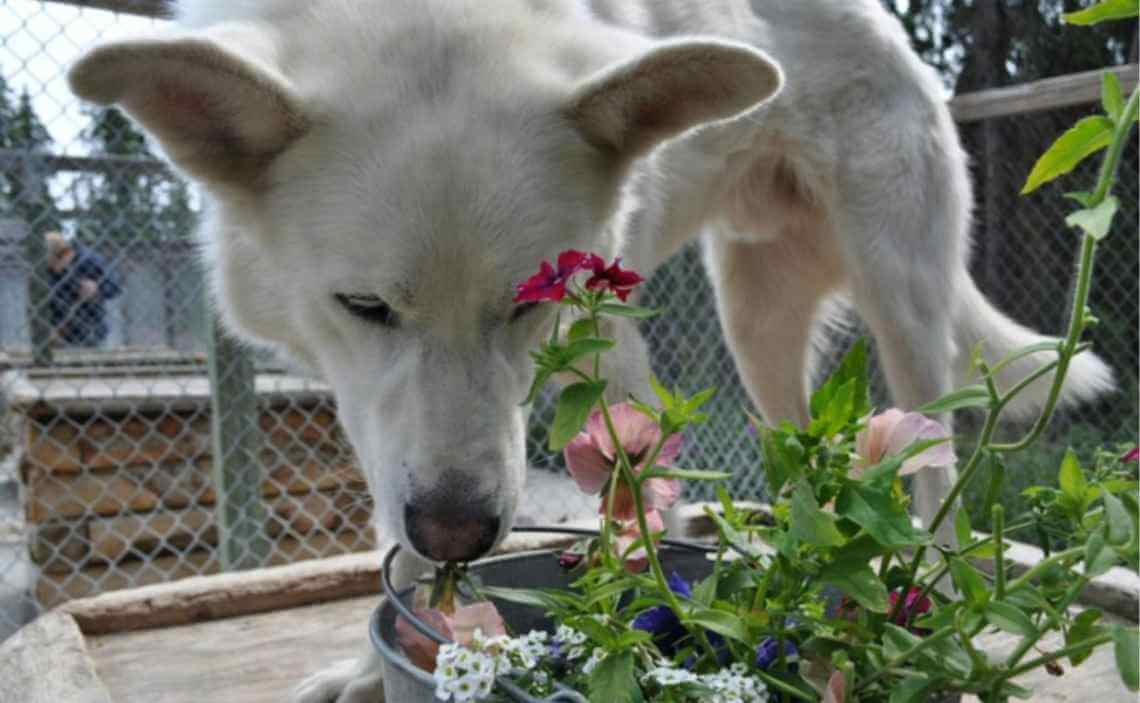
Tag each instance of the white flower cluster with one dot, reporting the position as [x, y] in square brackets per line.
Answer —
[572, 640]
[468, 673]
[732, 685]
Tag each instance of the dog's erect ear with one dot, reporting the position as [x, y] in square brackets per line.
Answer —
[631, 107]
[219, 115]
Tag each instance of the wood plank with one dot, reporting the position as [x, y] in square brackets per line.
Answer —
[247, 659]
[47, 662]
[1036, 96]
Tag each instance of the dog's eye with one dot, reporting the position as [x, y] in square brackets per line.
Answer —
[369, 308]
[521, 310]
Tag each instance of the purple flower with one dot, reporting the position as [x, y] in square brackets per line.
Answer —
[662, 622]
[768, 653]
[1133, 455]
[913, 606]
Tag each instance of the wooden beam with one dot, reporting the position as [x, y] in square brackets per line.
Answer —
[1047, 94]
[159, 9]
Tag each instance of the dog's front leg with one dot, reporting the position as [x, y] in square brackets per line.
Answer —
[358, 680]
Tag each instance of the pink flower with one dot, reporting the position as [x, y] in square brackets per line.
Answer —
[591, 458]
[620, 281]
[1133, 455]
[891, 432]
[459, 626]
[637, 560]
[836, 690]
[549, 283]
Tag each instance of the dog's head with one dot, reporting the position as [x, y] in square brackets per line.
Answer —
[370, 214]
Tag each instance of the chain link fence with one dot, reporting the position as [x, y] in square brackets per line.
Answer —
[149, 447]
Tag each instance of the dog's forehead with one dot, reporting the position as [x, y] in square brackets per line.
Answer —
[440, 208]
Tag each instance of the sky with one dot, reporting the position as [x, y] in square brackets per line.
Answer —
[39, 41]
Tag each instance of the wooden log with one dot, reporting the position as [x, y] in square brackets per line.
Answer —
[112, 443]
[51, 495]
[227, 595]
[54, 589]
[47, 662]
[59, 547]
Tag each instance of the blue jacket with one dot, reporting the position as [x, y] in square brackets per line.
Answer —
[86, 325]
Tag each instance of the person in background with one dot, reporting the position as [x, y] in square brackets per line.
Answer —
[81, 284]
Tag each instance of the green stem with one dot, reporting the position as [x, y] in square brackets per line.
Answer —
[1042, 565]
[1060, 653]
[1077, 320]
[998, 519]
[773, 682]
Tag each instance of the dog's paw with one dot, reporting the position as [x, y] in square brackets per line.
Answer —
[348, 681]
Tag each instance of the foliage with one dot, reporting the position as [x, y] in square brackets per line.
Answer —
[23, 189]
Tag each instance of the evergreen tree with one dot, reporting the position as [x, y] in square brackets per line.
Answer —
[24, 187]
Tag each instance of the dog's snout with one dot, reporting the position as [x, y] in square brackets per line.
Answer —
[443, 530]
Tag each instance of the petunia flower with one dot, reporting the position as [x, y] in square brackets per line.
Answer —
[768, 653]
[915, 604]
[661, 622]
[891, 432]
[550, 283]
[459, 626]
[592, 458]
[1133, 455]
[615, 278]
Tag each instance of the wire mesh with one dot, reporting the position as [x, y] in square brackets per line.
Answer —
[110, 456]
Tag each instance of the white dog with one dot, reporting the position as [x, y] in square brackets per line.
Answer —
[380, 173]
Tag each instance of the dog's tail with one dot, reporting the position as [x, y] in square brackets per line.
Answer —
[977, 321]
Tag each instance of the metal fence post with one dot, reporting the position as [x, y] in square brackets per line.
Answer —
[239, 511]
[35, 253]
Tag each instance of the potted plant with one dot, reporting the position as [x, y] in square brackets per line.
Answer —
[830, 594]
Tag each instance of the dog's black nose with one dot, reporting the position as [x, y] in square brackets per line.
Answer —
[443, 530]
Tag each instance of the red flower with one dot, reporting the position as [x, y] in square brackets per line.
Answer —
[550, 283]
[1133, 455]
[913, 606]
[620, 281]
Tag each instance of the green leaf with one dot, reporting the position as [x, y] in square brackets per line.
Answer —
[1118, 524]
[683, 474]
[1126, 645]
[1010, 618]
[662, 393]
[1098, 557]
[574, 406]
[910, 690]
[581, 329]
[810, 524]
[858, 582]
[1095, 221]
[1085, 138]
[975, 396]
[1072, 477]
[969, 582]
[633, 311]
[1111, 96]
[1084, 627]
[880, 513]
[734, 537]
[720, 622]
[613, 679]
[1106, 10]
[896, 640]
[583, 347]
[781, 464]
[525, 596]
[962, 529]
[845, 395]
[536, 386]
[1083, 197]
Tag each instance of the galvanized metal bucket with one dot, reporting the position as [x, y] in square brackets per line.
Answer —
[404, 682]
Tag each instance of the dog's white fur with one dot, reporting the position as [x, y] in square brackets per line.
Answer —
[430, 152]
